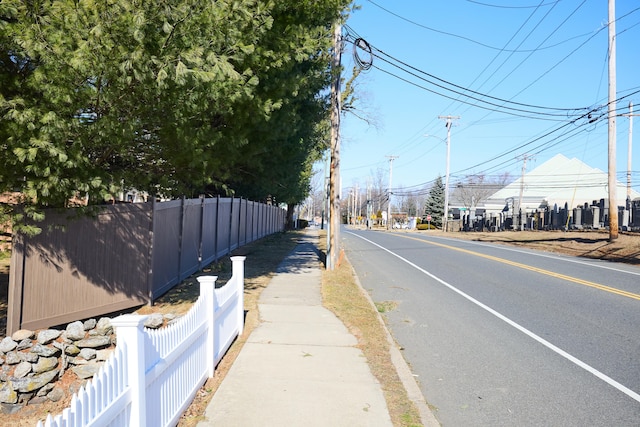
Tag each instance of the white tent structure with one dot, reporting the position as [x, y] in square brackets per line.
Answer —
[557, 181]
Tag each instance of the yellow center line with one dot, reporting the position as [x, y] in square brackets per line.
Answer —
[536, 269]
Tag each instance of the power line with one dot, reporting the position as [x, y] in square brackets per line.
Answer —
[472, 40]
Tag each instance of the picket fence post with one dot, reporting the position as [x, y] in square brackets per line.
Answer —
[129, 330]
[207, 292]
[237, 271]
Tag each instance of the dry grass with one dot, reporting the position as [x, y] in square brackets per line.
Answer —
[343, 295]
[588, 244]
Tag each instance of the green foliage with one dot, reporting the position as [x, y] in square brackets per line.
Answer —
[426, 226]
[175, 98]
[434, 205]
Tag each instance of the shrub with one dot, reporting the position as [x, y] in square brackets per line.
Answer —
[426, 226]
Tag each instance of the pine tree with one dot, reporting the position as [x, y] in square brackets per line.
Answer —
[177, 98]
[434, 205]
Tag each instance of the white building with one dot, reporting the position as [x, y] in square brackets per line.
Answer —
[557, 181]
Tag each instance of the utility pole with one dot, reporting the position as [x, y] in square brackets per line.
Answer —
[445, 222]
[391, 159]
[613, 203]
[359, 205]
[367, 223]
[334, 170]
[524, 170]
[631, 116]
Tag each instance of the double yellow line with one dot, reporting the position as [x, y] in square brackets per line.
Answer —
[537, 270]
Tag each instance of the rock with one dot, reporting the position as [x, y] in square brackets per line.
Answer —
[24, 344]
[22, 370]
[45, 390]
[154, 321]
[104, 327]
[48, 335]
[88, 353]
[38, 400]
[24, 398]
[45, 364]
[28, 357]
[94, 342]
[56, 394]
[103, 355]
[8, 394]
[90, 324]
[8, 408]
[22, 334]
[87, 371]
[71, 350]
[77, 361]
[45, 351]
[12, 358]
[75, 331]
[7, 345]
[30, 384]
[59, 345]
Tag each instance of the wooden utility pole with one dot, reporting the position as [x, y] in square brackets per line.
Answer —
[333, 248]
[612, 183]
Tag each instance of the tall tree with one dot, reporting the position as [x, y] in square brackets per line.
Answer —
[434, 205]
[170, 98]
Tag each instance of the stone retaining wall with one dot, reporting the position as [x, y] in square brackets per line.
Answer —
[31, 362]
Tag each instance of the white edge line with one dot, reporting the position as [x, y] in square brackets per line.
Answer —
[632, 394]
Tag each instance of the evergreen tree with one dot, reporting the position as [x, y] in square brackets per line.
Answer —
[175, 98]
[434, 205]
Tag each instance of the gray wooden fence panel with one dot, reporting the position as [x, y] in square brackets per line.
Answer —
[235, 224]
[209, 220]
[167, 221]
[224, 227]
[190, 238]
[260, 218]
[251, 235]
[242, 232]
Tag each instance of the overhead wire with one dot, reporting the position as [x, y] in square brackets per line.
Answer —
[586, 114]
[469, 39]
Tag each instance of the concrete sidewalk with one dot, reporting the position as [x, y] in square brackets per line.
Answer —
[300, 366]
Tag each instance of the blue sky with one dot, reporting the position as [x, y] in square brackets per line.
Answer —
[541, 64]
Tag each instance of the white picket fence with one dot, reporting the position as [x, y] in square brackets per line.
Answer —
[153, 375]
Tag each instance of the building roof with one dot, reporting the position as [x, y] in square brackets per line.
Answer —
[558, 181]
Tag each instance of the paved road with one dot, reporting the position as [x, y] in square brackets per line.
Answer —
[506, 337]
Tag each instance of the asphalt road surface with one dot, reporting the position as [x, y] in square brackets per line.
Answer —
[499, 336]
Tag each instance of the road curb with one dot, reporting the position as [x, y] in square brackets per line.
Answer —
[414, 394]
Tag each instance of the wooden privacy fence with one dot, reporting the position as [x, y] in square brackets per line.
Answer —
[125, 256]
[153, 376]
